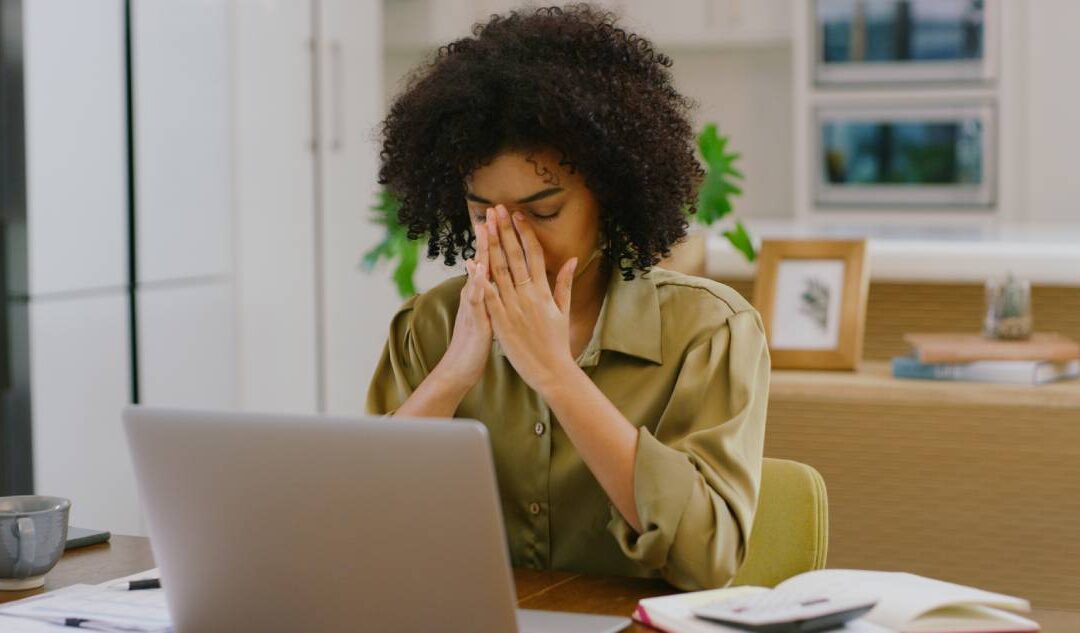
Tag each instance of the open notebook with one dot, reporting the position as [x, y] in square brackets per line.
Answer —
[906, 602]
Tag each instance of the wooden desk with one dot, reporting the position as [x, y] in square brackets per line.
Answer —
[556, 591]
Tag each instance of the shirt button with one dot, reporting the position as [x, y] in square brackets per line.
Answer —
[534, 507]
[539, 428]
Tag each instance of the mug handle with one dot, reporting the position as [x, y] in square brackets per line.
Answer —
[24, 533]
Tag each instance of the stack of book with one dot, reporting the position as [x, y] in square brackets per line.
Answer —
[1043, 358]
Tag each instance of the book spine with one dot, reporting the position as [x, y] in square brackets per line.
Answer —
[1008, 372]
[906, 367]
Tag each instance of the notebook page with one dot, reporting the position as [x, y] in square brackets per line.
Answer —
[121, 609]
[902, 597]
[11, 624]
[676, 612]
[971, 618]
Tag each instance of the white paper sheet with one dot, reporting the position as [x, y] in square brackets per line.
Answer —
[104, 607]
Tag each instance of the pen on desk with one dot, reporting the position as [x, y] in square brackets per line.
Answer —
[146, 583]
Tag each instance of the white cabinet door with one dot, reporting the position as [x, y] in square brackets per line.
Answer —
[275, 202]
[80, 382]
[357, 306]
[182, 139]
[76, 150]
[187, 350]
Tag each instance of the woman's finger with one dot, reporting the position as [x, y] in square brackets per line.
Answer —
[476, 285]
[534, 253]
[511, 245]
[564, 284]
[500, 267]
[494, 304]
[481, 244]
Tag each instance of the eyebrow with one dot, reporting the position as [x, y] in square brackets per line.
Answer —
[531, 198]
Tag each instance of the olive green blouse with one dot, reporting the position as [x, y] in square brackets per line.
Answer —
[685, 360]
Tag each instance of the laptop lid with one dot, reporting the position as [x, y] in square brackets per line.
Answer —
[292, 522]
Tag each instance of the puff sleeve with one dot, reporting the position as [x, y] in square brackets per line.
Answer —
[697, 476]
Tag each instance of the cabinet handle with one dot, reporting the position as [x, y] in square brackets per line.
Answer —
[311, 45]
[337, 111]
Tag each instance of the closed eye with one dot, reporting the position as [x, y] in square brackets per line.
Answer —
[544, 217]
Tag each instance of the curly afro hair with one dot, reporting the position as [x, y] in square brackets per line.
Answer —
[565, 78]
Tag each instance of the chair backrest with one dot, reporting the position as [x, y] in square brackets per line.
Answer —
[791, 525]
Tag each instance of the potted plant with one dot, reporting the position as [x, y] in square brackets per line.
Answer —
[714, 204]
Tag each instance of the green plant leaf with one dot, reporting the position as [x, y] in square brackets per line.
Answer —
[717, 189]
[394, 246]
[382, 250]
[406, 268]
[740, 239]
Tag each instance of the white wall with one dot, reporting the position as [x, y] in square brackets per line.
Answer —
[1053, 110]
[747, 93]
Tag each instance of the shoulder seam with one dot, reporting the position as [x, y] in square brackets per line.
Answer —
[705, 288]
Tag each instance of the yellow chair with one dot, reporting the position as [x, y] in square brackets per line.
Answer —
[791, 526]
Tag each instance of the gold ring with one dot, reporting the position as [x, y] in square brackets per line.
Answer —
[522, 283]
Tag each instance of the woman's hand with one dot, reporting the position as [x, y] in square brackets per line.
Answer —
[531, 321]
[470, 344]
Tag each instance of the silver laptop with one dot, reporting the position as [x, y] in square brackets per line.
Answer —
[306, 523]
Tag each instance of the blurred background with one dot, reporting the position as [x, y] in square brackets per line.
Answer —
[186, 186]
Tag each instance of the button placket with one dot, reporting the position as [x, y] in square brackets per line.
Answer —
[544, 432]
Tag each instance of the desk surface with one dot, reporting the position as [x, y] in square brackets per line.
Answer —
[556, 591]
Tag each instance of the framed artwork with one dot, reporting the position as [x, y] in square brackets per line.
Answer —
[904, 41]
[812, 298]
[928, 155]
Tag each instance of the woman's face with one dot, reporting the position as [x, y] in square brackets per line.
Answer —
[556, 203]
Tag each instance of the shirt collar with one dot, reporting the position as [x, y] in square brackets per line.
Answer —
[629, 321]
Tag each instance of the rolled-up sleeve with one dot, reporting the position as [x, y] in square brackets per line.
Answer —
[401, 365]
[697, 476]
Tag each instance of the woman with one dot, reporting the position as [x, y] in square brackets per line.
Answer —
[625, 403]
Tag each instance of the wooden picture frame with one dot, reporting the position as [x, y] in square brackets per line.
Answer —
[808, 326]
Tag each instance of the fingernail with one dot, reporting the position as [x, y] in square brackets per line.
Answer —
[573, 265]
[518, 217]
[502, 212]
